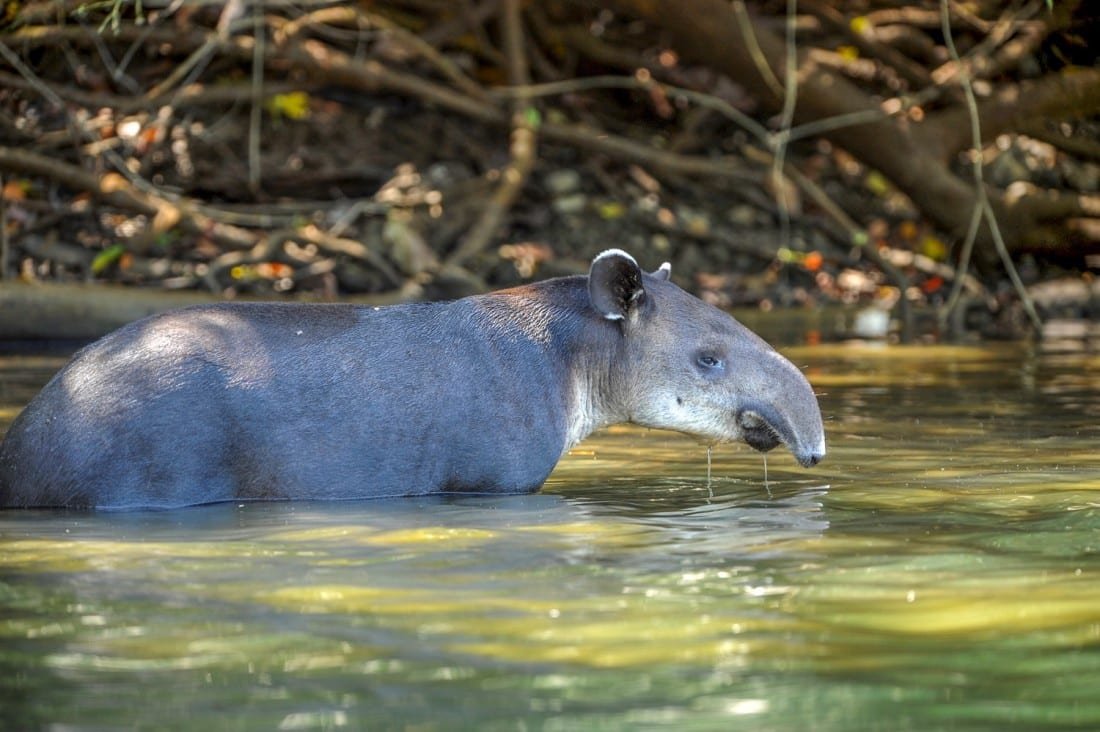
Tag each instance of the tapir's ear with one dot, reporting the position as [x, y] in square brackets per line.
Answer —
[615, 284]
[663, 272]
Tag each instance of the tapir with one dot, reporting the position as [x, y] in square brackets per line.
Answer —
[278, 401]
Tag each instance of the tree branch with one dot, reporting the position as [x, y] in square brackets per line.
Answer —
[523, 146]
[1072, 92]
[117, 191]
[914, 156]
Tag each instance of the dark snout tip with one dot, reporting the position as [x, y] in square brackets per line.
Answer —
[809, 458]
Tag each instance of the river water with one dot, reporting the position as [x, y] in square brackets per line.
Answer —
[939, 571]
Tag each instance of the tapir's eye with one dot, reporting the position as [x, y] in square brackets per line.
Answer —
[708, 361]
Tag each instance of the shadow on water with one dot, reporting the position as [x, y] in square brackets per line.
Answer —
[941, 570]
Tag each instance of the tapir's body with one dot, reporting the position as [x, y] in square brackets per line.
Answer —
[290, 401]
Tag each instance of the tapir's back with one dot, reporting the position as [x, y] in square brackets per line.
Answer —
[269, 401]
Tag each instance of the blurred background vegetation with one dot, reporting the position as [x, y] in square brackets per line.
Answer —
[936, 160]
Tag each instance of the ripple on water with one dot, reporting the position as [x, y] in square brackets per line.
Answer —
[940, 570]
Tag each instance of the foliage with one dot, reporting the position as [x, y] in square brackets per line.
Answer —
[415, 149]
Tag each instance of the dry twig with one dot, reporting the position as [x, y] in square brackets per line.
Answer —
[979, 184]
[523, 146]
[117, 191]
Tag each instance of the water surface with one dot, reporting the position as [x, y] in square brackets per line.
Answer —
[939, 571]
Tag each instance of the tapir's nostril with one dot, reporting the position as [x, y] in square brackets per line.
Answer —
[810, 459]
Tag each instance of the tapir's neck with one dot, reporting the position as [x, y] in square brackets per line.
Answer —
[592, 396]
[581, 346]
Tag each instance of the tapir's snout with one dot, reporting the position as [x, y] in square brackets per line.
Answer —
[809, 458]
[763, 427]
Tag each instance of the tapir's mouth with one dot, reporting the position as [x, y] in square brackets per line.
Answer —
[757, 432]
[763, 428]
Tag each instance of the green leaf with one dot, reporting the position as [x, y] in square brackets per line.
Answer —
[107, 257]
[532, 117]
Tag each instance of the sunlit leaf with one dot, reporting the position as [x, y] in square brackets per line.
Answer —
[876, 183]
[932, 247]
[860, 25]
[611, 210]
[932, 284]
[813, 261]
[292, 105]
[107, 257]
[848, 53]
[273, 270]
[16, 189]
[243, 272]
[532, 118]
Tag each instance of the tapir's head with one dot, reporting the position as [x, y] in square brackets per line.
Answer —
[685, 365]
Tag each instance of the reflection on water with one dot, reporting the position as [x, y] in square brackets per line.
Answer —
[941, 570]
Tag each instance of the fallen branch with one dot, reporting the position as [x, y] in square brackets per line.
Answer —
[364, 20]
[193, 95]
[272, 248]
[917, 76]
[1070, 93]
[115, 190]
[1077, 146]
[982, 61]
[79, 312]
[349, 248]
